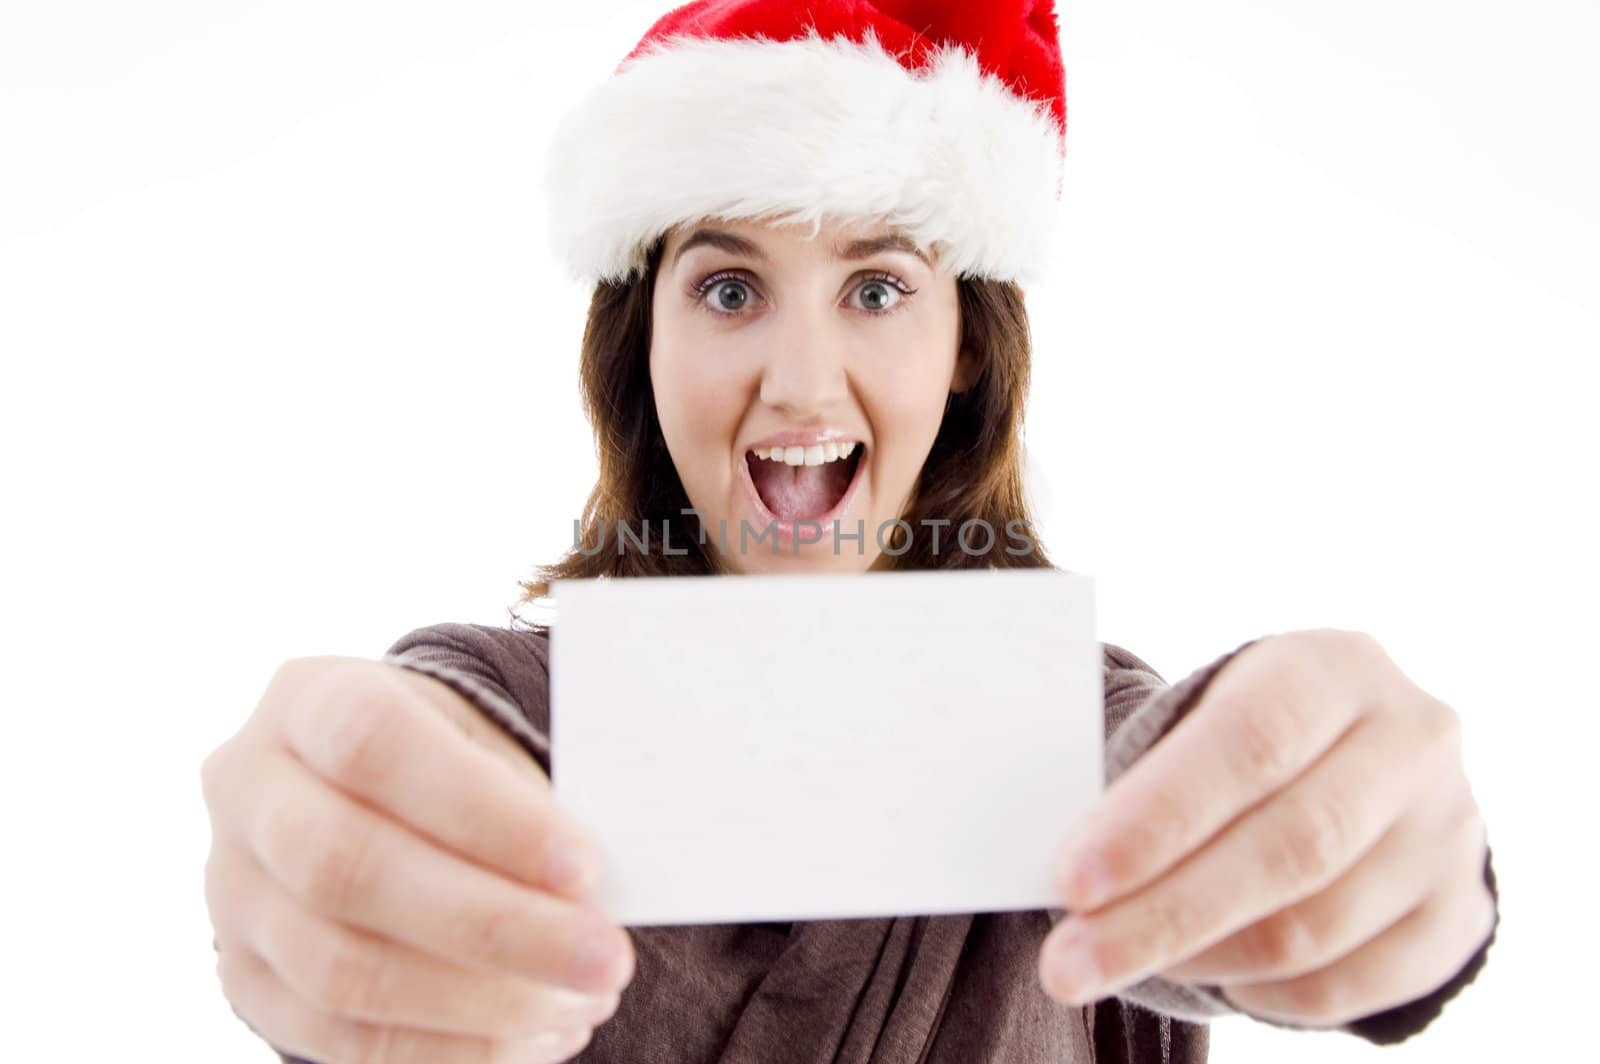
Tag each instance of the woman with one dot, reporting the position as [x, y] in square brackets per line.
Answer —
[813, 328]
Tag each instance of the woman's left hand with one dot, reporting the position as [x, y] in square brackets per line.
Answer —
[1304, 837]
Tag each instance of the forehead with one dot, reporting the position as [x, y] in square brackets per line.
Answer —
[852, 240]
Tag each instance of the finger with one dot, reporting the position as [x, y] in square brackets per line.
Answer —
[1389, 881]
[375, 736]
[1416, 956]
[358, 975]
[272, 1010]
[1274, 710]
[345, 861]
[1286, 849]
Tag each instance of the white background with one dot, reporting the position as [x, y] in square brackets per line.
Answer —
[288, 370]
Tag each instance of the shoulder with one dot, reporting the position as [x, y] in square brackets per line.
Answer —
[1119, 660]
[475, 639]
[514, 657]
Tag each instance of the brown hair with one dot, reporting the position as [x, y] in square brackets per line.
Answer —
[973, 471]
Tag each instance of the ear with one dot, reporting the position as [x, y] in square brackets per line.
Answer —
[966, 370]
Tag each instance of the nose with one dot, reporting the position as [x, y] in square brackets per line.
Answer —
[804, 372]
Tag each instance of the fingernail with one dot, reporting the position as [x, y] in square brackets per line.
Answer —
[568, 865]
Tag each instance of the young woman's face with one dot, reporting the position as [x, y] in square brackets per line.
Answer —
[842, 357]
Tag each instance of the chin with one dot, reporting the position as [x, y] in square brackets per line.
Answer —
[813, 559]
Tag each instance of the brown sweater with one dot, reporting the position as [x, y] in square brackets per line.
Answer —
[944, 989]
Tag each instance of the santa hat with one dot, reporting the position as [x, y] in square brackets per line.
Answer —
[945, 118]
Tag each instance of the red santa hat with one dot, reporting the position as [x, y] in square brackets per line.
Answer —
[944, 118]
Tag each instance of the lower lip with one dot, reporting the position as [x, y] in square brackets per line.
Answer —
[785, 531]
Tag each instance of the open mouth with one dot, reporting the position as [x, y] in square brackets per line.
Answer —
[801, 484]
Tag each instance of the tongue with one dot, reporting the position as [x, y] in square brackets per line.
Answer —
[800, 492]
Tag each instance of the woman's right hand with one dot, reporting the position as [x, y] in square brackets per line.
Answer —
[379, 882]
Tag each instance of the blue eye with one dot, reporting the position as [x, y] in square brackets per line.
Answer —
[724, 285]
[877, 287]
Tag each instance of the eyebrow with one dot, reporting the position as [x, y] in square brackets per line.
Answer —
[855, 250]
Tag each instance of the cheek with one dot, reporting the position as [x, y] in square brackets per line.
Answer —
[698, 405]
[908, 399]
[913, 365]
[905, 402]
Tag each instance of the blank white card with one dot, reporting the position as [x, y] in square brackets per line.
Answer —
[794, 747]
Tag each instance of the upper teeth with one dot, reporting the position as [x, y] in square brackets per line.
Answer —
[816, 454]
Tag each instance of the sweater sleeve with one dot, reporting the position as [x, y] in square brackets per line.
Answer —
[1140, 708]
[503, 672]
